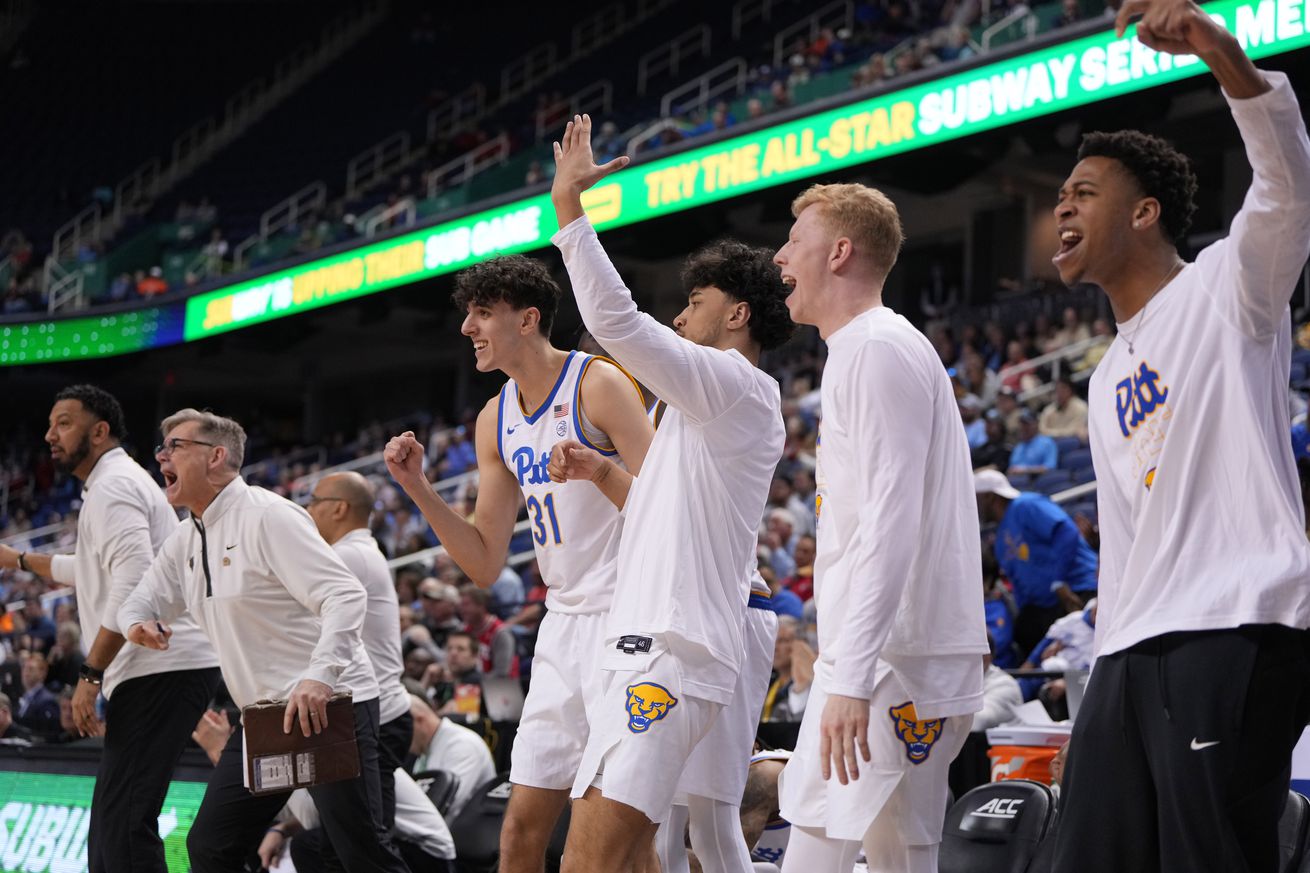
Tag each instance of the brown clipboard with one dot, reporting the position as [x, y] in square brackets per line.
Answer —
[278, 762]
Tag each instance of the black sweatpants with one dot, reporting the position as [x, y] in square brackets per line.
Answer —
[148, 722]
[231, 821]
[393, 748]
[1181, 754]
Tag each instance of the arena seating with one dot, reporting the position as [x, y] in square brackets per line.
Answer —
[997, 828]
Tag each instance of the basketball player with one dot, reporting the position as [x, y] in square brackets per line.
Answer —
[673, 645]
[897, 581]
[550, 395]
[1200, 686]
[710, 790]
[153, 700]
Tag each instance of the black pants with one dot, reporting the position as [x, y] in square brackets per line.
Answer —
[308, 850]
[393, 748]
[148, 722]
[1180, 758]
[231, 821]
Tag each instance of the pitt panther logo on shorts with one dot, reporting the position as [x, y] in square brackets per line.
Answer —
[918, 736]
[647, 704]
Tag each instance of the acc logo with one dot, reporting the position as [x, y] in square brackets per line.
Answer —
[1000, 807]
[918, 736]
[647, 704]
[561, 428]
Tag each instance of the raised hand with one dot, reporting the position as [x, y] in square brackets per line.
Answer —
[404, 457]
[576, 169]
[1176, 27]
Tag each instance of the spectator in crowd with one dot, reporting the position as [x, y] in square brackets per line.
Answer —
[440, 609]
[1007, 404]
[67, 731]
[1041, 552]
[981, 381]
[801, 583]
[497, 649]
[11, 731]
[975, 429]
[781, 539]
[781, 601]
[1016, 381]
[1034, 453]
[507, 594]
[441, 744]
[801, 501]
[1069, 14]
[1001, 695]
[1066, 415]
[39, 625]
[460, 456]
[66, 656]
[996, 450]
[38, 708]
[793, 673]
[151, 284]
[462, 661]
[1104, 336]
[215, 251]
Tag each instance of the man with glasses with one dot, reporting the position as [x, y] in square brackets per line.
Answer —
[284, 614]
[153, 700]
[340, 506]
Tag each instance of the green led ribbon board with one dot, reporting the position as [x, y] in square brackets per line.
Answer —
[1051, 80]
[44, 818]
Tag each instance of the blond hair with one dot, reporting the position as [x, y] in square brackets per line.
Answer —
[214, 428]
[865, 215]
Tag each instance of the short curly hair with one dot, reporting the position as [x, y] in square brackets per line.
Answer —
[1161, 172]
[747, 274]
[102, 405]
[521, 282]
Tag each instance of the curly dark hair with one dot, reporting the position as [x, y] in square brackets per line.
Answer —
[521, 282]
[101, 404]
[747, 274]
[1161, 172]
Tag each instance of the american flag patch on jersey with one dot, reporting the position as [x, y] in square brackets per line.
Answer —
[561, 410]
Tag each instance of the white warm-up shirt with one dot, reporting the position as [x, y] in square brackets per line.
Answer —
[690, 521]
[897, 575]
[271, 595]
[1199, 502]
[124, 520]
[359, 551]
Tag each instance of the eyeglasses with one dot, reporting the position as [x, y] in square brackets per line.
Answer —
[168, 446]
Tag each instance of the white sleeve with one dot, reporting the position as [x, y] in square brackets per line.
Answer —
[1253, 273]
[889, 402]
[316, 577]
[158, 596]
[127, 551]
[700, 381]
[63, 568]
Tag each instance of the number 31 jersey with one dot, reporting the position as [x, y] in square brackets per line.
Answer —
[575, 529]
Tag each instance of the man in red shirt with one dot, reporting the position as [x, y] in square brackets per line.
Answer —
[497, 649]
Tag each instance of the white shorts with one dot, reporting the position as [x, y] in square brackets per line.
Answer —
[566, 686]
[643, 733]
[906, 777]
[717, 768]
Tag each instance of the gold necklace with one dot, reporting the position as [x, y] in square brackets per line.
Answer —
[1167, 276]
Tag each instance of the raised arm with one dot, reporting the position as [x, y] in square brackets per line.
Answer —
[481, 546]
[701, 382]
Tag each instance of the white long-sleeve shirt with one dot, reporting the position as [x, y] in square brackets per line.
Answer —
[1001, 697]
[417, 820]
[1199, 502]
[688, 546]
[359, 551]
[124, 520]
[460, 751]
[897, 572]
[271, 595]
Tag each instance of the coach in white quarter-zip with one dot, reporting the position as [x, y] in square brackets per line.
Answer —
[284, 614]
[153, 699]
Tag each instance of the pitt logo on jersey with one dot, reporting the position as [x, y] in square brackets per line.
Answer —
[529, 470]
[918, 736]
[1137, 396]
[647, 704]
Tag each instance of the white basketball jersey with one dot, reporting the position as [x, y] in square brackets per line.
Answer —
[575, 529]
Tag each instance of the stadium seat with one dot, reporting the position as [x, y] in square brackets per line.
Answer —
[1044, 858]
[996, 828]
[440, 786]
[1293, 827]
[1083, 475]
[477, 828]
[1067, 444]
[1051, 482]
[1075, 458]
